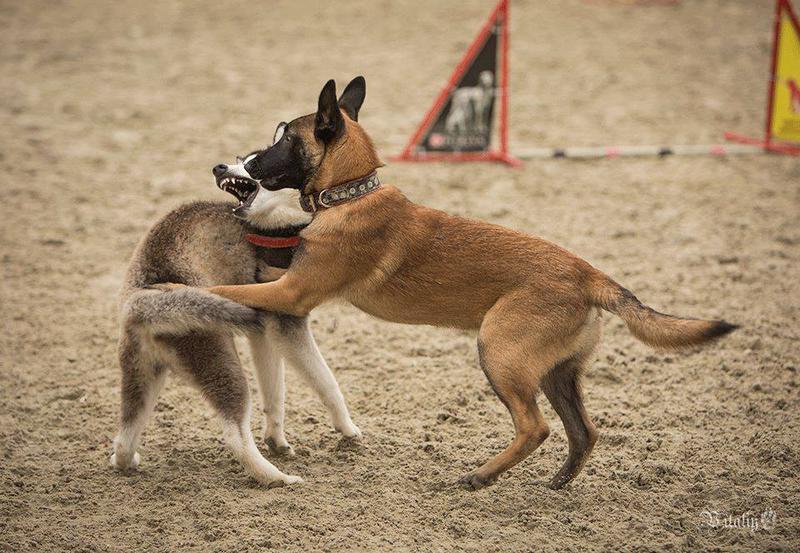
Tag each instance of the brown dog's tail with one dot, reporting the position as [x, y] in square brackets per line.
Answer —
[651, 327]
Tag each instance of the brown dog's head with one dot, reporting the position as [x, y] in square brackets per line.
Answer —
[321, 149]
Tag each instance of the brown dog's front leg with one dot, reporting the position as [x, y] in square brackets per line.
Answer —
[269, 296]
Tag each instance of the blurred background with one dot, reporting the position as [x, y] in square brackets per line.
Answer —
[111, 114]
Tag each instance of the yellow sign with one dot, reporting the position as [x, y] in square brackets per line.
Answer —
[785, 116]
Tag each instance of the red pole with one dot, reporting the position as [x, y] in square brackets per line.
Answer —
[504, 89]
[779, 5]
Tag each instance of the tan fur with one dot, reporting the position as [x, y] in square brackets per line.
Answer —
[533, 303]
[346, 158]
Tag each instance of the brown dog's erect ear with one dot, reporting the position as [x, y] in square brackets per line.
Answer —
[353, 97]
[329, 123]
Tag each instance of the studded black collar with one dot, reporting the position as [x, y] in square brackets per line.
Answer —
[340, 193]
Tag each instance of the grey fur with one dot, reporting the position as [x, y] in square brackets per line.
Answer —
[191, 331]
[187, 310]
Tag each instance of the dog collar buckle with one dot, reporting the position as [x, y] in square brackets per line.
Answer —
[322, 202]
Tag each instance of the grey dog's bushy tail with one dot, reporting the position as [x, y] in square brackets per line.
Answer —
[189, 309]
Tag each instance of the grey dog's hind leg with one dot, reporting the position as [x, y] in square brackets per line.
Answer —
[270, 374]
[143, 377]
[292, 335]
[211, 361]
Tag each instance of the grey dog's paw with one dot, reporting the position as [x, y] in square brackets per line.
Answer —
[129, 464]
[286, 480]
[279, 451]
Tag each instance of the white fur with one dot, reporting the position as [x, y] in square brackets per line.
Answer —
[240, 439]
[238, 170]
[270, 208]
[301, 352]
[270, 370]
[125, 456]
[276, 209]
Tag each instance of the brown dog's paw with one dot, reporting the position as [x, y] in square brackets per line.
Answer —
[560, 480]
[473, 481]
[279, 451]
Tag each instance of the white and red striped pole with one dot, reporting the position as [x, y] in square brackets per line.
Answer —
[633, 151]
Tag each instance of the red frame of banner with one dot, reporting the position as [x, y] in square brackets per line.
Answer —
[500, 12]
[781, 147]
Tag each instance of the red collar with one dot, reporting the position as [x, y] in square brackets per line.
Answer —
[273, 241]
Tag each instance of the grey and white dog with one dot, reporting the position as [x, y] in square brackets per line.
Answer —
[191, 331]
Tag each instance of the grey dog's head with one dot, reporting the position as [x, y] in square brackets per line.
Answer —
[258, 206]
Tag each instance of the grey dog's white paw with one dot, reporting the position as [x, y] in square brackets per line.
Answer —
[350, 431]
[118, 463]
[282, 450]
[285, 480]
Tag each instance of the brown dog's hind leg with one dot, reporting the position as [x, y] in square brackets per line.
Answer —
[562, 388]
[516, 383]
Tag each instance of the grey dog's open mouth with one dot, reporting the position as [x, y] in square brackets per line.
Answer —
[242, 188]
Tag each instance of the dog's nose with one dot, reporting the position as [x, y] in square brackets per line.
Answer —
[219, 170]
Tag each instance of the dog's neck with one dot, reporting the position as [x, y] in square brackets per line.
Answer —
[339, 194]
[350, 158]
[275, 246]
[277, 232]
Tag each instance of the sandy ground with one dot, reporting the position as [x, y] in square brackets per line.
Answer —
[111, 115]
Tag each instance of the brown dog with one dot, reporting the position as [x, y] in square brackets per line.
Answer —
[535, 305]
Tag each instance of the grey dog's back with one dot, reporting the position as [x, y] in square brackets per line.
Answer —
[197, 244]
